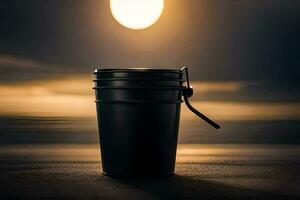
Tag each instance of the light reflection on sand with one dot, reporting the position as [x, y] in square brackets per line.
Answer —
[186, 153]
[189, 153]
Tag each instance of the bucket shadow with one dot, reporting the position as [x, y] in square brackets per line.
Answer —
[184, 187]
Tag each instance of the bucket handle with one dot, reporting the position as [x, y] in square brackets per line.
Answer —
[187, 93]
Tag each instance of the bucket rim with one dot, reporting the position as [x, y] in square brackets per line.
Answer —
[140, 87]
[111, 70]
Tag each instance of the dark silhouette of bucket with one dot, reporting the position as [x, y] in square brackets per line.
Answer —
[138, 119]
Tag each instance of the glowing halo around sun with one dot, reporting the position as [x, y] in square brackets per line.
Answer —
[136, 14]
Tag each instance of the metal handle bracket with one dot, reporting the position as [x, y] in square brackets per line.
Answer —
[187, 93]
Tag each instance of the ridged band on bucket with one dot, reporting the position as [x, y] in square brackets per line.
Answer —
[139, 83]
[139, 88]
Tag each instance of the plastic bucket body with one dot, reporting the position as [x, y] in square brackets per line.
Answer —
[138, 113]
[138, 117]
[138, 139]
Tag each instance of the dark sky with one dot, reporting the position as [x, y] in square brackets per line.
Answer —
[219, 39]
[255, 42]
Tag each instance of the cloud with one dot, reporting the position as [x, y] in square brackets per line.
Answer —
[73, 96]
[251, 91]
[74, 85]
[245, 110]
[16, 68]
[21, 75]
[218, 86]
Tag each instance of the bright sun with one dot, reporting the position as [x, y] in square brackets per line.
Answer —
[136, 14]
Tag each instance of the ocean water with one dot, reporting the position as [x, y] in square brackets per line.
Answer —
[37, 129]
[59, 157]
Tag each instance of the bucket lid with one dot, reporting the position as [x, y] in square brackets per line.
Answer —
[134, 70]
[138, 73]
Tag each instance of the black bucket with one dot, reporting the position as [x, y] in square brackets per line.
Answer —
[138, 119]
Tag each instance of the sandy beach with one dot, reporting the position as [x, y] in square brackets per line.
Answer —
[202, 172]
